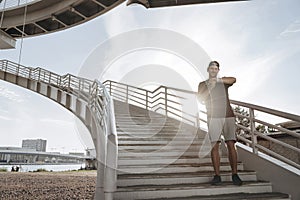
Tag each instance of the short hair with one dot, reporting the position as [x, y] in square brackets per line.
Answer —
[214, 63]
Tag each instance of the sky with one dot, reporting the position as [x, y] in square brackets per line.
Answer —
[257, 41]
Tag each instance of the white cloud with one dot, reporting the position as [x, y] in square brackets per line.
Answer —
[5, 118]
[292, 30]
[57, 122]
[11, 95]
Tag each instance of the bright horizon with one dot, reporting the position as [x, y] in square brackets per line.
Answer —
[256, 42]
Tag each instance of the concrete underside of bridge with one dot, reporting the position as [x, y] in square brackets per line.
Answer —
[166, 3]
[49, 16]
[42, 17]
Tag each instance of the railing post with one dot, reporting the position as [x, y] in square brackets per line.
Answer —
[39, 77]
[197, 119]
[147, 99]
[59, 81]
[30, 71]
[69, 81]
[6, 63]
[17, 71]
[252, 128]
[110, 88]
[166, 100]
[126, 93]
[50, 78]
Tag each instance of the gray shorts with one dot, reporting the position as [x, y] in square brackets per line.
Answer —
[221, 126]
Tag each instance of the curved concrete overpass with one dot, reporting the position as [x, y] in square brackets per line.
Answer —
[50, 16]
[39, 17]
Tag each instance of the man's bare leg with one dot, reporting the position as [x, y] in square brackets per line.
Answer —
[215, 157]
[232, 156]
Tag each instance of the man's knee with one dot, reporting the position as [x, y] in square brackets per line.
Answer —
[230, 144]
[216, 146]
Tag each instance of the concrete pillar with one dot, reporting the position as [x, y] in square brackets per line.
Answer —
[100, 145]
[58, 98]
[8, 158]
[99, 193]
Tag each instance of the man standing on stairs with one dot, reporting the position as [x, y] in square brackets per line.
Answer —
[220, 118]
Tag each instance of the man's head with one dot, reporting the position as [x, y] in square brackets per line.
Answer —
[213, 69]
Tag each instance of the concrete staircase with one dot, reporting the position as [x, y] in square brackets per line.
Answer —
[159, 159]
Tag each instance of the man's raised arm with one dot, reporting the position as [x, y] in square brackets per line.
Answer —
[228, 80]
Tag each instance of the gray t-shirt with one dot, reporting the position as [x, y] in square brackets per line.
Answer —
[216, 100]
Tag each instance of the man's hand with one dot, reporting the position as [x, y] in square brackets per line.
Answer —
[228, 80]
[212, 83]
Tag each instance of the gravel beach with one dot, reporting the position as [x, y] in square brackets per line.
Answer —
[47, 185]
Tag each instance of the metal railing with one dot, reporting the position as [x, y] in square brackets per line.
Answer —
[97, 99]
[170, 102]
[251, 138]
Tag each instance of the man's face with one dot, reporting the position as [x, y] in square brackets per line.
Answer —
[213, 71]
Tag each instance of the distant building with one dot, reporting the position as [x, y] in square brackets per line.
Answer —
[291, 125]
[35, 144]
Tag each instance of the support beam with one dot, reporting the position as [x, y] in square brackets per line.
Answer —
[6, 41]
[78, 13]
[167, 3]
[100, 4]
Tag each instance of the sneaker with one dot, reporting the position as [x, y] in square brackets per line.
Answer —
[236, 180]
[216, 180]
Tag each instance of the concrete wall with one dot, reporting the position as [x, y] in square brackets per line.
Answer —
[284, 178]
[287, 153]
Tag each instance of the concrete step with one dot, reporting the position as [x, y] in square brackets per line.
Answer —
[236, 196]
[162, 152]
[134, 147]
[188, 190]
[150, 120]
[147, 121]
[150, 125]
[173, 168]
[179, 178]
[159, 153]
[160, 137]
[143, 117]
[127, 123]
[149, 131]
[166, 160]
[155, 142]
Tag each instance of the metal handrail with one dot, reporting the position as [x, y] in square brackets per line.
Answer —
[159, 100]
[98, 100]
[151, 99]
[268, 110]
